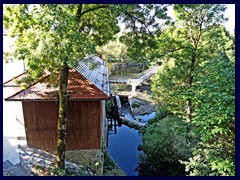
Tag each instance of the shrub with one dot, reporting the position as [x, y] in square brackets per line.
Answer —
[135, 105]
[164, 144]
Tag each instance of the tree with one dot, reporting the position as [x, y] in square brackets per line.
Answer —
[140, 30]
[113, 51]
[196, 51]
[183, 43]
[55, 37]
[213, 125]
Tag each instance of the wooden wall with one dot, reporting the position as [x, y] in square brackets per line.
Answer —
[84, 125]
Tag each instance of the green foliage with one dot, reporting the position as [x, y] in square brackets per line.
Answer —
[108, 164]
[208, 14]
[49, 35]
[197, 81]
[161, 113]
[171, 85]
[108, 106]
[135, 105]
[113, 51]
[53, 170]
[214, 121]
[168, 86]
[164, 144]
[142, 22]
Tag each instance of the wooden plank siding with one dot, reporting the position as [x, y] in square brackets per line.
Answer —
[84, 124]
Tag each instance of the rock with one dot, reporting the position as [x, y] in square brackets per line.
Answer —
[140, 147]
[39, 162]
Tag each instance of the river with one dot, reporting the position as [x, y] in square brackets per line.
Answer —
[123, 143]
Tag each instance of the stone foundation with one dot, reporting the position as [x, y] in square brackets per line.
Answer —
[91, 158]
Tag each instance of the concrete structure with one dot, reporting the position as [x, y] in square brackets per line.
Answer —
[145, 75]
[13, 124]
[13, 128]
[119, 105]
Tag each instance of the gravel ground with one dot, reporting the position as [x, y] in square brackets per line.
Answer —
[32, 160]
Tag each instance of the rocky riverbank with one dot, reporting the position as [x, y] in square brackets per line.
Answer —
[141, 103]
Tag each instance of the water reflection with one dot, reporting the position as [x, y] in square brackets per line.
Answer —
[123, 143]
[122, 147]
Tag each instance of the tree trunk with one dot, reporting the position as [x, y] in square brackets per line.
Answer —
[189, 102]
[62, 119]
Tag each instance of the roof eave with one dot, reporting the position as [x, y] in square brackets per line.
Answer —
[11, 85]
[5, 83]
[81, 99]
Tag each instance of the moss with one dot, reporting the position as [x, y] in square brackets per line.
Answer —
[110, 168]
[135, 105]
[53, 170]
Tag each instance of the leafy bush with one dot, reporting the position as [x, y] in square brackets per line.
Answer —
[108, 105]
[160, 114]
[135, 105]
[164, 144]
[55, 171]
[214, 122]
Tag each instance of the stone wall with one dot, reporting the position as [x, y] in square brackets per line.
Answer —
[91, 158]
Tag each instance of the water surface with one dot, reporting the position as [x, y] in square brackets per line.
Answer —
[122, 147]
[123, 142]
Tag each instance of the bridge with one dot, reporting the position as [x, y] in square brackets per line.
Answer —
[145, 75]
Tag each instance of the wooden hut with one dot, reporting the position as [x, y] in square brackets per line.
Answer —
[88, 88]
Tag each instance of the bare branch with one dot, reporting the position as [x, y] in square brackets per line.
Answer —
[94, 9]
[201, 26]
[173, 50]
[79, 11]
[131, 16]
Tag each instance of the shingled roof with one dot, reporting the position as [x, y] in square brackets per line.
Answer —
[13, 82]
[84, 83]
